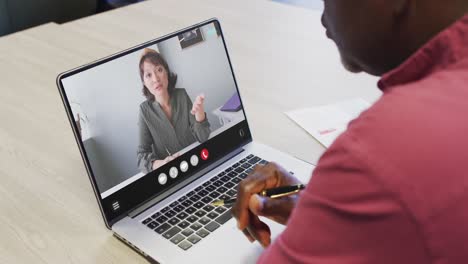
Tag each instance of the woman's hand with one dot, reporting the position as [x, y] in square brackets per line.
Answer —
[198, 108]
[249, 205]
[159, 163]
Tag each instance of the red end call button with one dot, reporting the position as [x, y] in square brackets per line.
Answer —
[204, 154]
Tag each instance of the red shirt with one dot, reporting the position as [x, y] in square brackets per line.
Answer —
[394, 187]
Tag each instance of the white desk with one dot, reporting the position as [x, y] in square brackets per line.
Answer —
[49, 214]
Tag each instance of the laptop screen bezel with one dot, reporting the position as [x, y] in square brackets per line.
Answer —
[111, 218]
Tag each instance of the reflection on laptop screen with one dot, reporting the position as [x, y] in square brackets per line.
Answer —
[142, 110]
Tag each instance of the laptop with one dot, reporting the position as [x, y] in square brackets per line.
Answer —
[154, 161]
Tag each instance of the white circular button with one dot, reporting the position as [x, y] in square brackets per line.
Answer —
[173, 172]
[184, 166]
[194, 160]
[162, 178]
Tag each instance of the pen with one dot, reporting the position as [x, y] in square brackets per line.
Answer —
[272, 193]
[168, 153]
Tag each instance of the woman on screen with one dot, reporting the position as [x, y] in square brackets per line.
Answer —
[168, 120]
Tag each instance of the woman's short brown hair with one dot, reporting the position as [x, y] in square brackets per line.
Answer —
[155, 58]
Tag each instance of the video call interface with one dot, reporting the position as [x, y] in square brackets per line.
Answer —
[142, 111]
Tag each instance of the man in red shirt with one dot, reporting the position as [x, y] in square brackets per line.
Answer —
[394, 187]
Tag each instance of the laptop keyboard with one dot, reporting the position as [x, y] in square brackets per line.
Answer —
[191, 218]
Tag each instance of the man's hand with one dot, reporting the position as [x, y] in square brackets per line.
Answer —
[198, 108]
[249, 205]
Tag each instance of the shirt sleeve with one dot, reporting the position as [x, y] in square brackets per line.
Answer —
[346, 215]
[145, 154]
[200, 130]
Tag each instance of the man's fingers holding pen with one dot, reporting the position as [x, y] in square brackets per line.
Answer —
[263, 177]
[277, 210]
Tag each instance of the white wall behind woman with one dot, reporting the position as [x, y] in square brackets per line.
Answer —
[110, 95]
[202, 68]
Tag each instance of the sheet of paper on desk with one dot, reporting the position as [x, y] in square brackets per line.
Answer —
[326, 123]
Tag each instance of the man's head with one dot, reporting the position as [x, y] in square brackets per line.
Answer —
[375, 36]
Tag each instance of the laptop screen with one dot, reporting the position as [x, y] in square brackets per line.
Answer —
[153, 116]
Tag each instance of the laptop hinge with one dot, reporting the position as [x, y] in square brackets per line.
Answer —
[146, 205]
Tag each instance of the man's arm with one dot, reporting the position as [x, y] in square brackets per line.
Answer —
[347, 216]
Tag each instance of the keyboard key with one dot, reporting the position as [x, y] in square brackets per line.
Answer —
[222, 174]
[179, 208]
[173, 204]
[250, 156]
[187, 232]
[198, 205]
[232, 174]
[194, 239]
[170, 214]
[246, 166]
[182, 215]
[200, 213]
[171, 232]
[220, 209]
[225, 178]
[239, 170]
[156, 215]
[228, 170]
[195, 198]
[162, 228]
[161, 219]
[202, 233]
[177, 239]
[242, 175]
[202, 193]
[181, 199]
[236, 180]
[196, 226]
[206, 183]
[186, 203]
[183, 224]
[235, 165]
[249, 171]
[212, 215]
[214, 194]
[231, 193]
[208, 207]
[204, 221]
[212, 226]
[165, 209]
[173, 221]
[207, 200]
[229, 185]
[263, 162]
[185, 245]
[221, 189]
[192, 219]
[254, 160]
[190, 193]
[190, 210]
[210, 188]
[217, 183]
[224, 217]
[199, 188]
[147, 220]
[223, 197]
[152, 225]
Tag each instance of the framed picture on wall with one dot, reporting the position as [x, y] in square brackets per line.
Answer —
[190, 38]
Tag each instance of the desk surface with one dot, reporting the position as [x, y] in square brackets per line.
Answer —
[49, 214]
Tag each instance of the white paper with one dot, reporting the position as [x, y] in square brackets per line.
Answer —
[326, 123]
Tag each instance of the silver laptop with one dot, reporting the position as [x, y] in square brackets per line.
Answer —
[163, 133]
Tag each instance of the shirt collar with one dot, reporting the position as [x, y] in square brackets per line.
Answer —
[447, 48]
